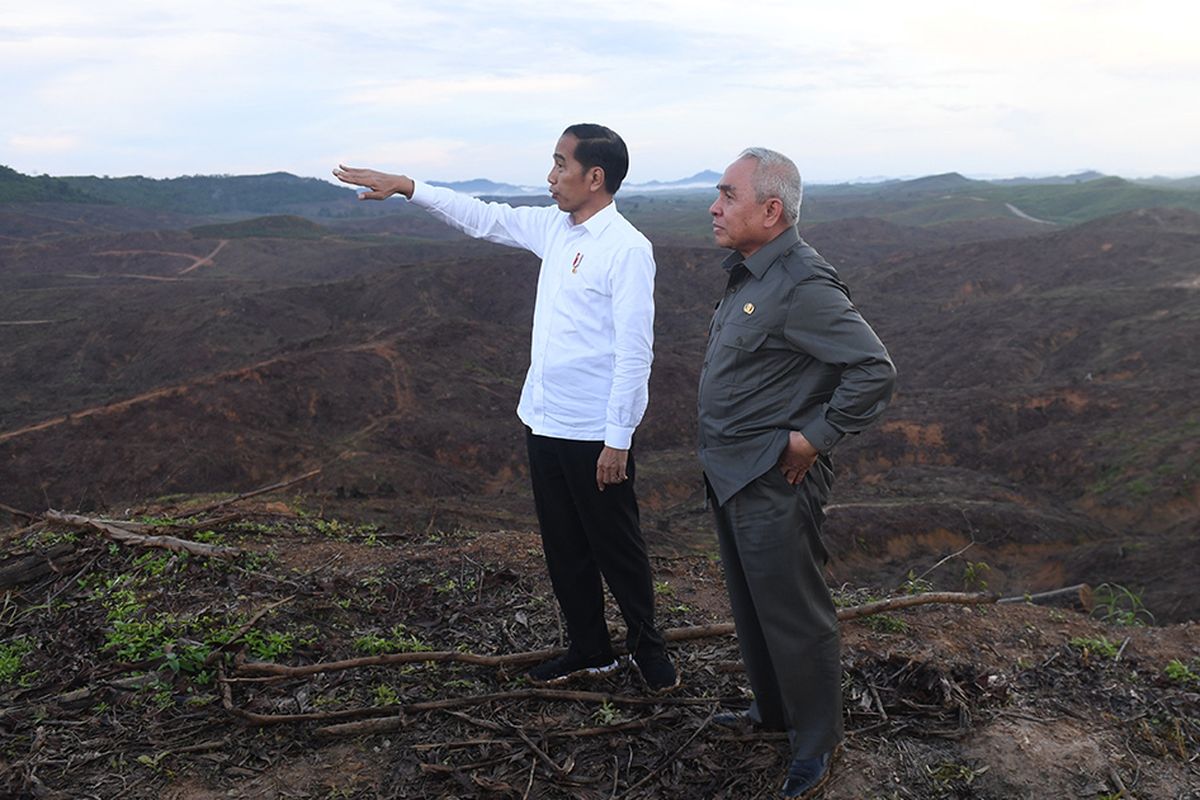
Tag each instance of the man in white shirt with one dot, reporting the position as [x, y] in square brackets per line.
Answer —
[586, 389]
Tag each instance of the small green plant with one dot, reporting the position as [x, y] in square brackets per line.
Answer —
[663, 588]
[153, 565]
[400, 641]
[385, 695]
[973, 580]
[1118, 605]
[1180, 672]
[606, 714]
[12, 658]
[914, 585]
[270, 645]
[1099, 646]
[209, 537]
[886, 623]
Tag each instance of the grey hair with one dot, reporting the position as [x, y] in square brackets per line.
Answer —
[776, 176]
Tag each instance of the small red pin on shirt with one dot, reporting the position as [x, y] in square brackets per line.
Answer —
[575, 263]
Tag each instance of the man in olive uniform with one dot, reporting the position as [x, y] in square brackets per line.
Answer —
[791, 369]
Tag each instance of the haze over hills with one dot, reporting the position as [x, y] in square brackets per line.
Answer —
[1044, 413]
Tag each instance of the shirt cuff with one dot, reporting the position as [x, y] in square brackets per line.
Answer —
[822, 435]
[617, 437]
[420, 188]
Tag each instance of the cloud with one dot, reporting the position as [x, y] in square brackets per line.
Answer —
[475, 88]
[27, 144]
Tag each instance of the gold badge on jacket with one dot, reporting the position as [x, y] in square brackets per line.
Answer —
[748, 308]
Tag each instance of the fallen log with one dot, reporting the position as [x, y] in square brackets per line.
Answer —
[116, 533]
[21, 569]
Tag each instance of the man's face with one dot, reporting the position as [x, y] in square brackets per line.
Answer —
[569, 181]
[737, 215]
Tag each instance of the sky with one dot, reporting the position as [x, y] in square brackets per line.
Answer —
[460, 89]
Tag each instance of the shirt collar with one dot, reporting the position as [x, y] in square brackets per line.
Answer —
[762, 259]
[596, 223]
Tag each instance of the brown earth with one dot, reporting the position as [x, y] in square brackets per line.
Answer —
[1044, 411]
[940, 701]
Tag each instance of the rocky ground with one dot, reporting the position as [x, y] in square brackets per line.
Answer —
[139, 672]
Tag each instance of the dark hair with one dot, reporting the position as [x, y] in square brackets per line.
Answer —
[601, 147]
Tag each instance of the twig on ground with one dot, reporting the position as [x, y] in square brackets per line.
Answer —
[242, 631]
[519, 659]
[944, 560]
[247, 495]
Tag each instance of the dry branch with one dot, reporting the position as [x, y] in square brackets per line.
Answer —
[16, 512]
[246, 495]
[519, 659]
[1077, 596]
[124, 536]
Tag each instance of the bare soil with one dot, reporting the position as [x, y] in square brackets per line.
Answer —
[994, 701]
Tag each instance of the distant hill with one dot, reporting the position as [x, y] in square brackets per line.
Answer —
[212, 194]
[935, 200]
[483, 186]
[1192, 183]
[277, 227]
[1079, 177]
[701, 180]
[18, 188]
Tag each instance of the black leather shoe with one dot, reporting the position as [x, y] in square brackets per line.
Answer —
[805, 776]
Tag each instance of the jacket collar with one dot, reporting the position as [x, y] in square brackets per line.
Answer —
[766, 255]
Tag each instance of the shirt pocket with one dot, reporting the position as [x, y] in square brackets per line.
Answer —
[739, 352]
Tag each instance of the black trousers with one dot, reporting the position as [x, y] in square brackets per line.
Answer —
[588, 535]
[787, 628]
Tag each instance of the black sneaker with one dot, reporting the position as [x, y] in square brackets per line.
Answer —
[571, 665]
[658, 672]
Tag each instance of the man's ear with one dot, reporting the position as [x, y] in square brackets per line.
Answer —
[772, 212]
[596, 179]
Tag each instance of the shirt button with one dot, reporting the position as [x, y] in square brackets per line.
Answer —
[739, 340]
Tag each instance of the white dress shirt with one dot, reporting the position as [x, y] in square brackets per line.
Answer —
[593, 320]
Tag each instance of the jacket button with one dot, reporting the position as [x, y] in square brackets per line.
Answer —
[739, 340]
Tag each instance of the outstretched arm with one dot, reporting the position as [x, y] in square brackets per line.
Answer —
[381, 184]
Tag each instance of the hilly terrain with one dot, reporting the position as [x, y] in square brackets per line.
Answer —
[159, 355]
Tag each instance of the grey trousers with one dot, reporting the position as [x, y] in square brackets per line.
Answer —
[771, 551]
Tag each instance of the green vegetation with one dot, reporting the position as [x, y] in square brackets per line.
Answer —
[386, 695]
[1118, 605]
[12, 656]
[210, 194]
[400, 641]
[1180, 672]
[914, 585]
[18, 188]
[973, 580]
[1099, 646]
[886, 623]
